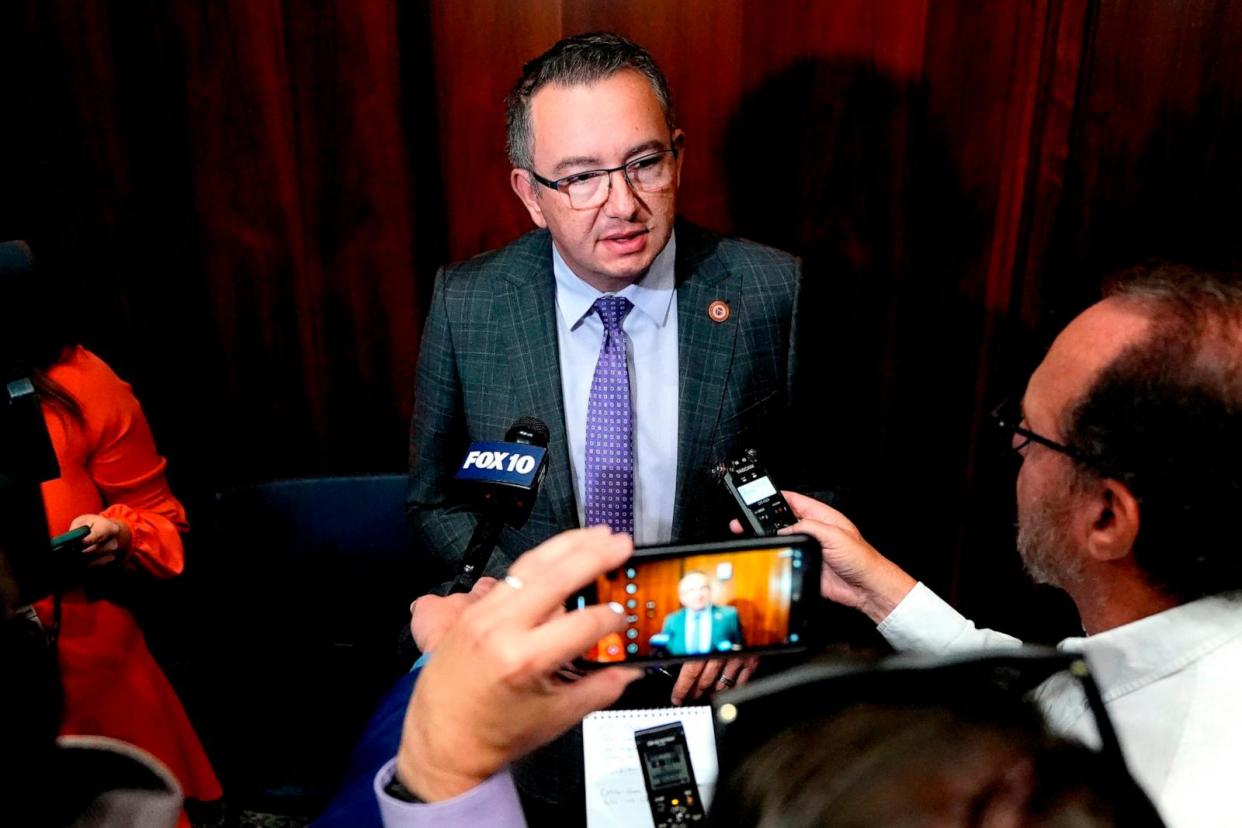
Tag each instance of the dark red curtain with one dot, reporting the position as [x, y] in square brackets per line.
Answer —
[248, 201]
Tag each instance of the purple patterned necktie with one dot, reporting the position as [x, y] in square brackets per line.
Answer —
[610, 426]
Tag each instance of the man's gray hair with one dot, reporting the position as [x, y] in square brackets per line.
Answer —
[574, 61]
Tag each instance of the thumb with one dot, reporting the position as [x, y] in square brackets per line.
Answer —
[598, 690]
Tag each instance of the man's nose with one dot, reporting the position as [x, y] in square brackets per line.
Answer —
[622, 202]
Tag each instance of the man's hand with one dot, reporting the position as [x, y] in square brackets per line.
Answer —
[698, 678]
[108, 542]
[490, 694]
[432, 615]
[854, 573]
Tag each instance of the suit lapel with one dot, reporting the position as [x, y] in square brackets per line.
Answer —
[705, 355]
[528, 320]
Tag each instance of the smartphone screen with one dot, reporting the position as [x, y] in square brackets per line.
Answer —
[709, 600]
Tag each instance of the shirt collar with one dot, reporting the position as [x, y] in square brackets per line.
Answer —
[1133, 655]
[652, 294]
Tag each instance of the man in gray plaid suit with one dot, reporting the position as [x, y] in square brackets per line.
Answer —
[707, 335]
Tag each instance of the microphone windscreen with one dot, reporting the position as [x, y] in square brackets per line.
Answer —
[15, 259]
[530, 430]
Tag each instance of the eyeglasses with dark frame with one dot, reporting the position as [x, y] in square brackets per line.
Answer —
[1007, 418]
[651, 173]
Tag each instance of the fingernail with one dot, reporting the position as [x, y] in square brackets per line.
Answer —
[617, 608]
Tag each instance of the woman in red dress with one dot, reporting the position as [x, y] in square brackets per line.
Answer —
[112, 480]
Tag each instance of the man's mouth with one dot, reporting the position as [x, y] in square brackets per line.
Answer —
[629, 242]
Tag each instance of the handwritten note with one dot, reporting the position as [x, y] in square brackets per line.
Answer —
[615, 794]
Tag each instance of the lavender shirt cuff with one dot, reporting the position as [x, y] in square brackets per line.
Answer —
[494, 803]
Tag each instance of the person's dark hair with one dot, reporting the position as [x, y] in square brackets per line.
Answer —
[34, 336]
[573, 61]
[881, 764]
[48, 389]
[1165, 419]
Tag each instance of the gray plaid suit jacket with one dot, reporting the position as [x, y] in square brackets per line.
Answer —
[490, 356]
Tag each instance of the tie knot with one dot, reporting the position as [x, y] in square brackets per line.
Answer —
[612, 311]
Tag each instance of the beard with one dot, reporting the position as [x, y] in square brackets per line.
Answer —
[1046, 544]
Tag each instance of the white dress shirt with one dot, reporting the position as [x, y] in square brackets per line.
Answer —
[652, 356]
[1171, 682]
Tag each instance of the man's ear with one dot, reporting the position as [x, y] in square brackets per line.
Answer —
[1114, 522]
[524, 186]
[679, 143]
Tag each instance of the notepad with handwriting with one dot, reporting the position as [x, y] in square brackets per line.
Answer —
[615, 794]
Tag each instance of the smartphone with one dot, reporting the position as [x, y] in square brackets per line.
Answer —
[761, 508]
[752, 595]
[71, 541]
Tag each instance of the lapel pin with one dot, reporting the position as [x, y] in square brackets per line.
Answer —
[718, 311]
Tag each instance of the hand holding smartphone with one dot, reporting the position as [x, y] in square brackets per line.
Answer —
[709, 601]
[70, 543]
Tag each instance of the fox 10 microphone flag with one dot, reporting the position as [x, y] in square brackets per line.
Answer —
[509, 464]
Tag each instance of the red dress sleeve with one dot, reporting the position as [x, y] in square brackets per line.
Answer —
[114, 449]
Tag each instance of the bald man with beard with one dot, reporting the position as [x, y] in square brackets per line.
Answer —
[1130, 434]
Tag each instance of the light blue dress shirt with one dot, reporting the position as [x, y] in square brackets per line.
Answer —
[698, 631]
[652, 329]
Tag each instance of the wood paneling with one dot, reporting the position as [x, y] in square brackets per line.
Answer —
[479, 49]
[758, 587]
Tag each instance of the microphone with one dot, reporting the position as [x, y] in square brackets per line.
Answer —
[16, 260]
[501, 479]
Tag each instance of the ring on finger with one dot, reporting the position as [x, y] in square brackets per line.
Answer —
[727, 681]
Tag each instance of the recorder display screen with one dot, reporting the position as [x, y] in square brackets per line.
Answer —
[667, 766]
[756, 490]
[706, 604]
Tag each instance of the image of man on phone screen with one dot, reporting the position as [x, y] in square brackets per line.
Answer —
[699, 626]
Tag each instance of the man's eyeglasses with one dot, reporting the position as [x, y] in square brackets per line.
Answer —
[589, 189]
[1007, 417]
